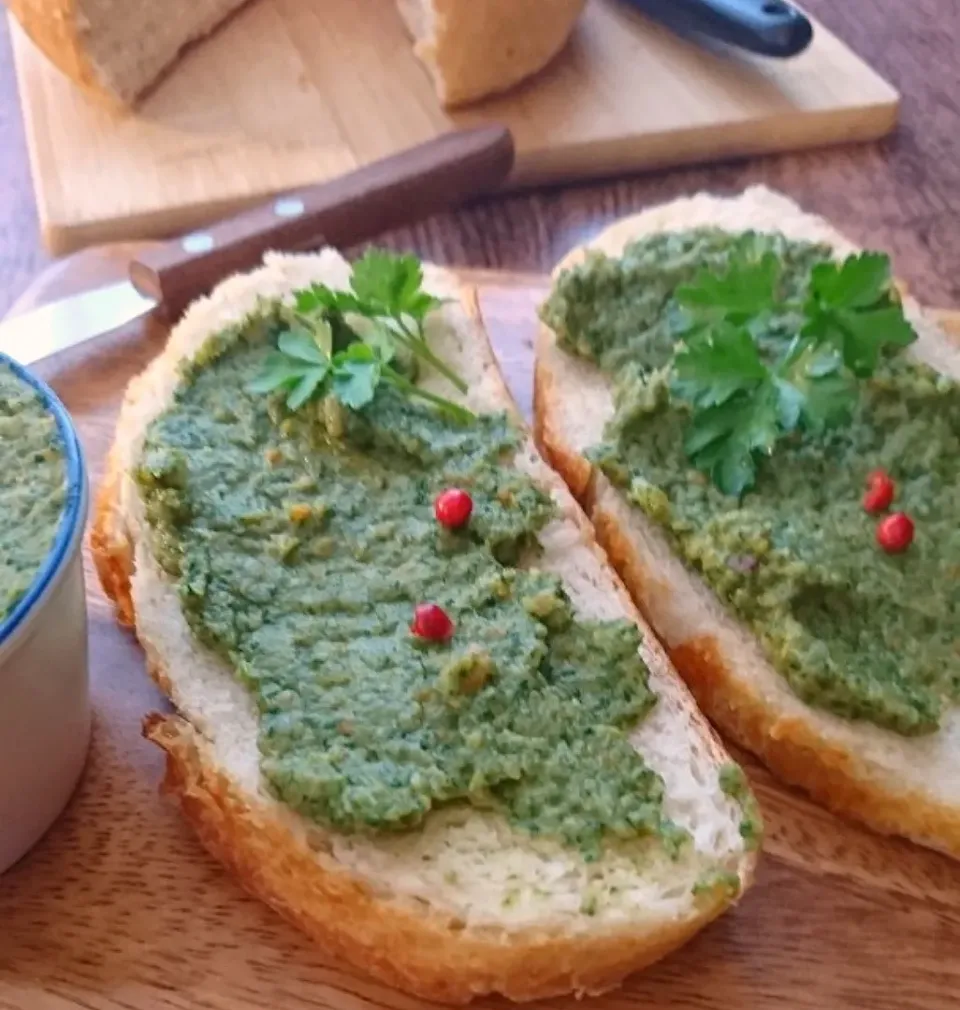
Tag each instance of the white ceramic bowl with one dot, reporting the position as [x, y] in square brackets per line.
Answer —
[44, 697]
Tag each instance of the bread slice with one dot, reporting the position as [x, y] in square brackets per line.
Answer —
[475, 48]
[897, 785]
[117, 52]
[466, 905]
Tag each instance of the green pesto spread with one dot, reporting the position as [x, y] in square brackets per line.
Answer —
[32, 486]
[859, 632]
[300, 544]
[724, 884]
[733, 783]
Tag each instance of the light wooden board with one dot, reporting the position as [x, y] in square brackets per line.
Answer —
[119, 908]
[290, 92]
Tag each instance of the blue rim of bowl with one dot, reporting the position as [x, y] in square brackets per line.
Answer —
[72, 514]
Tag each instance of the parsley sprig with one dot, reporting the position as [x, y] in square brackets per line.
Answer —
[344, 343]
[745, 396]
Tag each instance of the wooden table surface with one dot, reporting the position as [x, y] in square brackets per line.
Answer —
[903, 194]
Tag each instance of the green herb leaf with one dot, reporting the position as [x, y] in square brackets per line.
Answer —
[308, 384]
[377, 334]
[853, 308]
[825, 392]
[791, 403]
[388, 288]
[829, 401]
[746, 289]
[713, 366]
[392, 283]
[723, 440]
[746, 394]
[319, 300]
[269, 380]
[356, 374]
[861, 336]
[279, 372]
[302, 346]
[859, 282]
[384, 311]
[742, 406]
[420, 304]
[323, 336]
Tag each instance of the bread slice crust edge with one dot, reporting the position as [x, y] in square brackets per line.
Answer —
[794, 746]
[424, 951]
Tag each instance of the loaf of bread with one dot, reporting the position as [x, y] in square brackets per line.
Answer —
[465, 904]
[116, 53]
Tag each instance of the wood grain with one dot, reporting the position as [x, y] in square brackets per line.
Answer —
[902, 194]
[119, 908]
[290, 93]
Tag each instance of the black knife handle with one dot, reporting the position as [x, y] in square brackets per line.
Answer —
[767, 27]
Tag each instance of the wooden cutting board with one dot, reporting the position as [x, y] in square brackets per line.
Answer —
[119, 908]
[291, 92]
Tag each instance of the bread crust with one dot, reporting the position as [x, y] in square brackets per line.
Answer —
[53, 27]
[60, 29]
[793, 747]
[790, 746]
[112, 554]
[409, 944]
[479, 49]
[427, 955]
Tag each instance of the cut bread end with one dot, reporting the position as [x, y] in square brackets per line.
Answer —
[117, 59]
[474, 50]
[894, 784]
[465, 905]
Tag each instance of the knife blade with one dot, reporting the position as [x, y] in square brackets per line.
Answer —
[435, 176]
[54, 327]
[767, 27]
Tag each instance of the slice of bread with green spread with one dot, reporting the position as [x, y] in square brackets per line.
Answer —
[465, 902]
[901, 778]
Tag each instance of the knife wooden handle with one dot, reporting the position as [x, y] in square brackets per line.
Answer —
[423, 180]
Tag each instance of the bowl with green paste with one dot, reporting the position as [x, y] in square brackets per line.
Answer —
[44, 695]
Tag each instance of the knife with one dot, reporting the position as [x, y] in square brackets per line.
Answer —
[768, 27]
[399, 190]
